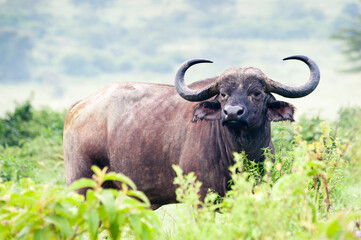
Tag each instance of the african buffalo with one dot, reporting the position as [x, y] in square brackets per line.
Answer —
[142, 129]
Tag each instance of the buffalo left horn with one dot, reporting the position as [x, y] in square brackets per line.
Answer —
[301, 91]
[192, 94]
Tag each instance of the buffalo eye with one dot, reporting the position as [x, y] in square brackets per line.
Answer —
[257, 94]
[223, 95]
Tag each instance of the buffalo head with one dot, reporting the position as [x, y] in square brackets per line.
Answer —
[243, 96]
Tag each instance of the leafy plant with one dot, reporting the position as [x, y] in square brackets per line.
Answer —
[31, 144]
[31, 211]
[13, 167]
[26, 123]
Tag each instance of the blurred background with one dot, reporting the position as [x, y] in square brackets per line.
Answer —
[56, 52]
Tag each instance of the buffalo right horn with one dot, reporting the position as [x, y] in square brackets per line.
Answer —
[301, 91]
[192, 94]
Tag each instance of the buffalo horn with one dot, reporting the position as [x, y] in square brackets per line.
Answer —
[192, 94]
[301, 91]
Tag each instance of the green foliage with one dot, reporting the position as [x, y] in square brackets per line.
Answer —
[348, 125]
[310, 129]
[15, 126]
[13, 166]
[25, 124]
[31, 144]
[189, 190]
[30, 211]
[40, 159]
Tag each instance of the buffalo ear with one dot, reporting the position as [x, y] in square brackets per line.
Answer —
[280, 111]
[207, 110]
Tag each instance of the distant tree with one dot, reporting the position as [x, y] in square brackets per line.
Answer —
[350, 36]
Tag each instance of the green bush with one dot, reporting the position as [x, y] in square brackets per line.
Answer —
[30, 211]
[40, 159]
[13, 166]
[26, 123]
[15, 126]
[31, 145]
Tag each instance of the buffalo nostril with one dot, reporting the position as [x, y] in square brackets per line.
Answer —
[234, 112]
[240, 111]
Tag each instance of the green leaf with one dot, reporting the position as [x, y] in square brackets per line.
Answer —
[314, 172]
[151, 218]
[27, 198]
[139, 195]
[334, 228]
[108, 200]
[72, 201]
[62, 210]
[179, 173]
[96, 170]
[112, 176]
[316, 164]
[82, 208]
[61, 222]
[146, 232]
[114, 230]
[92, 219]
[135, 224]
[5, 234]
[122, 219]
[90, 197]
[22, 221]
[42, 234]
[131, 203]
[82, 183]
[24, 232]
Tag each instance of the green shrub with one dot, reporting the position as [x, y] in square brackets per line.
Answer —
[31, 211]
[15, 126]
[26, 123]
[13, 166]
[310, 128]
[31, 145]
